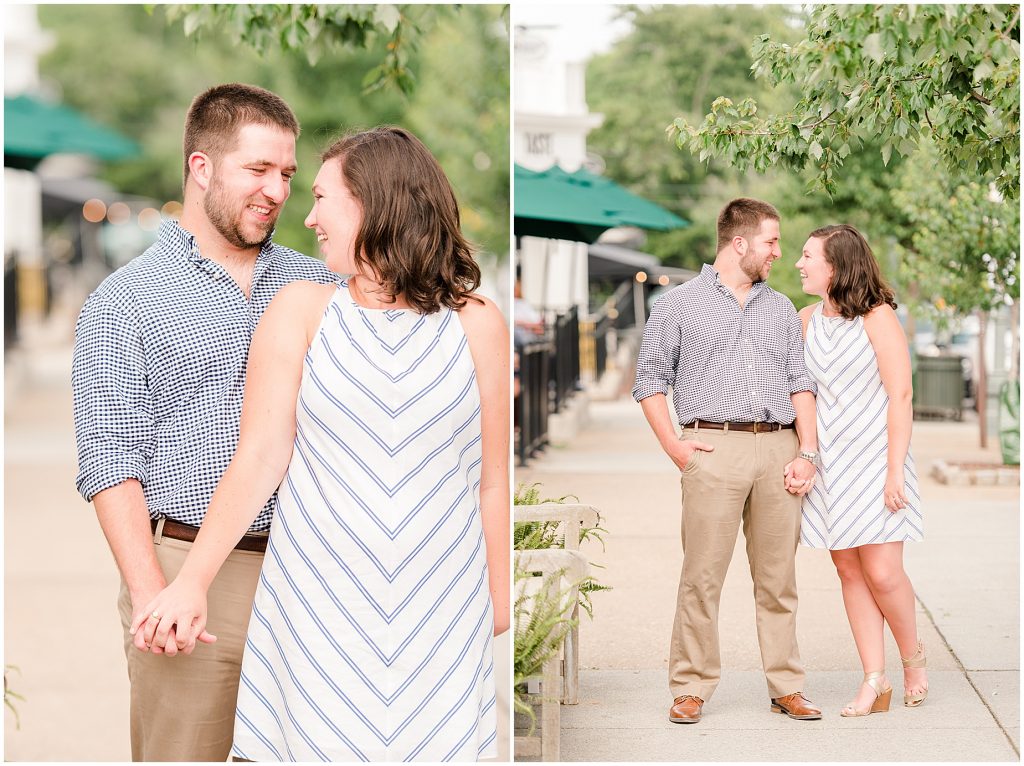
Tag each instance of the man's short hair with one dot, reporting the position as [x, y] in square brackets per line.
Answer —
[217, 115]
[742, 217]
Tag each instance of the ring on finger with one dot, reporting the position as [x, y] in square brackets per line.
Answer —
[154, 616]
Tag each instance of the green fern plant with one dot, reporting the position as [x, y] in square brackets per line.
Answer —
[534, 535]
[10, 696]
[540, 625]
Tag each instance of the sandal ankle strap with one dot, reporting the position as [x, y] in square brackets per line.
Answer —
[872, 680]
[917, 660]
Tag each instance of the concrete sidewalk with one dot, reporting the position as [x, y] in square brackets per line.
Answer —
[965, 574]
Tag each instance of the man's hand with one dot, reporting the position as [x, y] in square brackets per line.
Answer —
[798, 476]
[681, 451]
[139, 600]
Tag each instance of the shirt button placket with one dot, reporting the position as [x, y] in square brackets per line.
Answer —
[750, 361]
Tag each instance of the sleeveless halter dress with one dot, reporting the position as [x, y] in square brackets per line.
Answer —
[846, 508]
[371, 632]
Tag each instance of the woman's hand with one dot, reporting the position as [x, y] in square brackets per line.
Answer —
[174, 620]
[895, 493]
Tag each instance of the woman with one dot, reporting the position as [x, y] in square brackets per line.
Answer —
[370, 635]
[867, 503]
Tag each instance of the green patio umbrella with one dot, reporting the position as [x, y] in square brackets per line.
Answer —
[580, 206]
[34, 129]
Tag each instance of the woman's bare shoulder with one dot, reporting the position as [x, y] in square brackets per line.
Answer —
[483, 322]
[882, 318]
[807, 311]
[299, 302]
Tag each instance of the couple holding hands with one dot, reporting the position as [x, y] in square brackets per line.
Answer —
[796, 425]
[374, 432]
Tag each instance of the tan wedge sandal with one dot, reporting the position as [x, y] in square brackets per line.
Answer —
[882, 697]
[916, 661]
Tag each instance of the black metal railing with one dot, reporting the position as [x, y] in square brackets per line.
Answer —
[565, 362]
[10, 298]
[532, 399]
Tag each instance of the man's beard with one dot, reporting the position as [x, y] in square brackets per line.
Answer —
[754, 274]
[217, 208]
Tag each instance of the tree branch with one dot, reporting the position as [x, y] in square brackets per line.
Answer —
[1013, 23]
[978, 97]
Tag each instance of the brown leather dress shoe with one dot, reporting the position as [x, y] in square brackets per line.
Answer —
[686, 709]
[797, 706]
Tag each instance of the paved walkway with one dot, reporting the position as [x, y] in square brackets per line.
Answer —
[61, 627]
[965, 574]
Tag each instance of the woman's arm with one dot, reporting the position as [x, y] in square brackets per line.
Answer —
[890, 346]
[488, 338]
[267, 434]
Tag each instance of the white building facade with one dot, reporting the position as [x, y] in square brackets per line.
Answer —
[551, 121]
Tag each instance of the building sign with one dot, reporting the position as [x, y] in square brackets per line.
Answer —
[538, 143]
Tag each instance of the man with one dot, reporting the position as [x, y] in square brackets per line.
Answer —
[158, 377]
[731, 349]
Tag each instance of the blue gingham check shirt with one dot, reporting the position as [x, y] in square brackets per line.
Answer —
[722, 361]
[159, 371]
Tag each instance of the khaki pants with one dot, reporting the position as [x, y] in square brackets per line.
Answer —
[740, 480]
[183, 707]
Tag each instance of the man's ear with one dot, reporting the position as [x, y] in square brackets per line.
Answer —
[739, 244]
[200, 169]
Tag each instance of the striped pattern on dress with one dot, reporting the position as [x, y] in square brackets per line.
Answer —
[371, 632]
[846, 508]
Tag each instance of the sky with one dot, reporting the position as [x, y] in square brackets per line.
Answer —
[585, 29]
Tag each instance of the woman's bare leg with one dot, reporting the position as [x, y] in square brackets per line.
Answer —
[882, 566]
[866, 620]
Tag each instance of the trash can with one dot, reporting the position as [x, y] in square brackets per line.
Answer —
[939, 387]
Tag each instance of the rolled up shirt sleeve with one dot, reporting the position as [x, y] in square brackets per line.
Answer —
[799, 378]
[113, 411]
[659, 352]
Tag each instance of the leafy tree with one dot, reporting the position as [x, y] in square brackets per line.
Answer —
[315, 30]
[963, 255]
[674, 61]
[889, 74]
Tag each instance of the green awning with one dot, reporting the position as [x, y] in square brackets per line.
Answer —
[580, 206]
[34, 129]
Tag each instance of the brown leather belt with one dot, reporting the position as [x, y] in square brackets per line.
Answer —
[754, 428]
[257, 543]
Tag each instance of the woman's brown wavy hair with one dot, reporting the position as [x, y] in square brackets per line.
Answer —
[410, 238]
[857, 285]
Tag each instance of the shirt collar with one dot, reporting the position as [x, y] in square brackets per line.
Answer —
[709, 277]
[183, 241]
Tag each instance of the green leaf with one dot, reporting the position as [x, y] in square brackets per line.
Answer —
[192, 22]
[983, 70]
[815, 150]
[886, 152]
[388, 16]
[873, 47]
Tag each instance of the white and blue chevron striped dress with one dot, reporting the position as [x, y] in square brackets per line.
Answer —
[371, 631]
[845, 508]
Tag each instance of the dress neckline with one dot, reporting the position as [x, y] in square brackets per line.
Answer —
[347, 287]
[820, 311]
